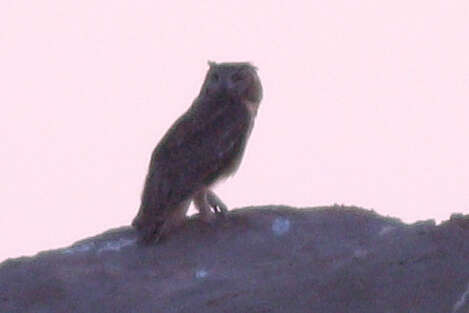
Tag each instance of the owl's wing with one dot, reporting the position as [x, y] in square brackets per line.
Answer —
[196, 151]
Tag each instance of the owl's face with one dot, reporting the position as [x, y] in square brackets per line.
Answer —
[238, 80]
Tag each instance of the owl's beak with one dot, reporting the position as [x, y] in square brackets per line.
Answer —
[229, 86]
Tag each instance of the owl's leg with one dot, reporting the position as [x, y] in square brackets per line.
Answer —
[178, 217]
[175, 218]
[203, 206]
[216, 204]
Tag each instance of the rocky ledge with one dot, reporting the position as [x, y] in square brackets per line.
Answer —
[259, 259]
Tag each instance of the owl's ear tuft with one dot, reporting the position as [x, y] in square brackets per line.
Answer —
[211, 63]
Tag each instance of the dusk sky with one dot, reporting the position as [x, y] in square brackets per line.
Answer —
[365, 103]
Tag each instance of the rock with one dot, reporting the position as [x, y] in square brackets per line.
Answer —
[262, 259]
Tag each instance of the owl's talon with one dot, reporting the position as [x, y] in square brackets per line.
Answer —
[221, 211]
[216, 204]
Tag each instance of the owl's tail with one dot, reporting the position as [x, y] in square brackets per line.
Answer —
[149, 228]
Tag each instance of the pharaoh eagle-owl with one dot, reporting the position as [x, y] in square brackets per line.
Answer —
[205, 144]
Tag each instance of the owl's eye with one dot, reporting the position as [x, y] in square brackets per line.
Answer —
[215, 77]
[236, 77]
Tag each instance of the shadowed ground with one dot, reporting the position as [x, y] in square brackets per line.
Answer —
[263, 259]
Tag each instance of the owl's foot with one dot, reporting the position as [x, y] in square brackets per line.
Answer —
[203, 203]
[216, 204]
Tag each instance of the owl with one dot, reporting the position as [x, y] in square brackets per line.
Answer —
[204, 145]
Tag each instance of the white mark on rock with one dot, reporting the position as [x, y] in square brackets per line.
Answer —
[461, 300]
[116, 245]
[386, 229]
[201, 274]
[79, 249]
[280, 226]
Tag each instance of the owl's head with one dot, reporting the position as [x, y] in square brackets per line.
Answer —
[239, 80]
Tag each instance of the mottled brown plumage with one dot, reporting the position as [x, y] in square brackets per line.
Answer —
[205, 144]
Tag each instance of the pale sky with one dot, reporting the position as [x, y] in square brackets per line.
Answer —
[366, 103]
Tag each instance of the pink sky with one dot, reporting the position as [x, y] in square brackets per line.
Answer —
[366, 103]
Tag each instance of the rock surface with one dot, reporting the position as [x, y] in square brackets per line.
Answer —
[263, 259]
